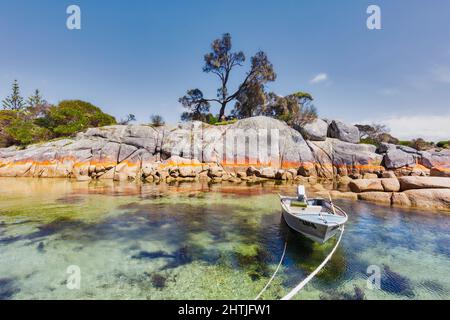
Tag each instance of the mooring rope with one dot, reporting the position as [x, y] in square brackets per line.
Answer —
[300, 286]
[274, 274]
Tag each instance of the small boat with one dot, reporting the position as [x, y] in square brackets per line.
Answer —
[318, 219]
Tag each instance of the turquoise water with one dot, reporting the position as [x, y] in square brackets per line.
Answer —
[200, 241]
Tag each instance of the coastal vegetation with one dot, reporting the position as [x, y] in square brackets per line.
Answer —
[376, 134]
[23, 122]
[128, 119]
[156, 120]
[420, 144]
[443, 144]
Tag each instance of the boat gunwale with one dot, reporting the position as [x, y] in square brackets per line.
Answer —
[336, 210]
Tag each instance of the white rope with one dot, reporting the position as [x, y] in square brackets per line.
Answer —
[300, 286]
[274, 274]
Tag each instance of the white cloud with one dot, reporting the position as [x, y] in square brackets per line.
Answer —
[319, 78]
[429, 127]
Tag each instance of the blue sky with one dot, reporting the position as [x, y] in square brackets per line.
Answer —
[140, 56]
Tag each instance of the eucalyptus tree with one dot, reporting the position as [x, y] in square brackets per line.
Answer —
[221, 61]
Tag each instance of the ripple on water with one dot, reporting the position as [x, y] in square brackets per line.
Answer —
[207, 241]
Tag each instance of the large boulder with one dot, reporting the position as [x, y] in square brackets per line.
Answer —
[390, 184]
[184, 141]
[378, 197]
[388, 174]
[437, 161]
[385, 147]
[343, 132]
[273, 144]
[400, 199]
[111, 133]
[365, 185]
[345, 158]
[316, 130]
[336, 194]
[396, 158]
[440, 172]
[370, 185]
[408, 183]
[438, 199]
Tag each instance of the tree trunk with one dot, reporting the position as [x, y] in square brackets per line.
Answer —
[222, 112]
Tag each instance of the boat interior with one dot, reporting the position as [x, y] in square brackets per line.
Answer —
[302, 205]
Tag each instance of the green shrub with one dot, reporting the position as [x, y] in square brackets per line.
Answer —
[224, 123]
[72, 116]
[211, 119]
[443, 144]
[421, 145]
[418, 144]
[6, 118]
[43, 123]
[157, 120]
[26, 132]
[370, 141]
[405, 143]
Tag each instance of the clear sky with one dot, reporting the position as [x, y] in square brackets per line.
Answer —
[140, 56]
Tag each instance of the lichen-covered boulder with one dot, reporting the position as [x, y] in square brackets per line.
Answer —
[344, 158]
[343, 132]
[184, 141]
[396, 158]
[315, 130]
[272, 143]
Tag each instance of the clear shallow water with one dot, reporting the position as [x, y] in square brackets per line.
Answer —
[194, 241]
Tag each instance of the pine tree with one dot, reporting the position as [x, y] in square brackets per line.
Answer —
[35, 99]
[15, 100]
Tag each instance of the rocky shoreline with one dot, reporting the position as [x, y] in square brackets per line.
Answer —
[429, 193]
[249, 150]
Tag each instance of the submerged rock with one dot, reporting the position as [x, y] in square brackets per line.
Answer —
[396, 283]
[358, 294]
[8, 288]
[158, 281]
[180, 257]
[41, 247]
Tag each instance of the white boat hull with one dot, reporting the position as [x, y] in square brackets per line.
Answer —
[316, 232]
